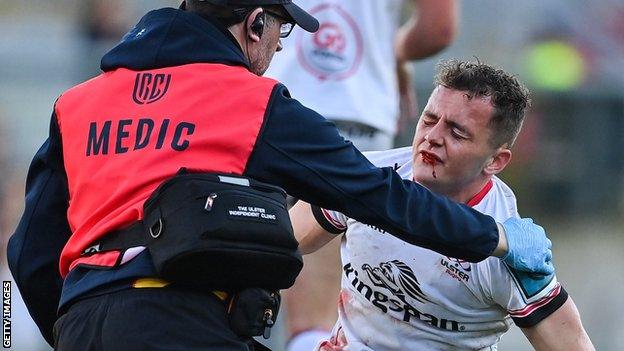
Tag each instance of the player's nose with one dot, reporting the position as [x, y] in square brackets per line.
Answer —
[434, 139]
[435, 135]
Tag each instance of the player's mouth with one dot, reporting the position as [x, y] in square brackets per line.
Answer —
[430, 158]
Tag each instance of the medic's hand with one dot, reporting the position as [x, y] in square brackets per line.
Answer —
[528, 247]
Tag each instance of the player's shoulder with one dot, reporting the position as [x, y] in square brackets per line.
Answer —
[394, 158]
[500, 187]
[497, 274]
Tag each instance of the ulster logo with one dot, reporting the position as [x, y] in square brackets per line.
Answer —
[456, 268]
[150, 87]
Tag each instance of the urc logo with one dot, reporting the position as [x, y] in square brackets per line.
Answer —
[149, 88]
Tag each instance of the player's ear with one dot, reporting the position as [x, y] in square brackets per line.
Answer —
[498, 161]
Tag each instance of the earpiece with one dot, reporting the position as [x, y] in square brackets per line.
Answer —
[258, 24]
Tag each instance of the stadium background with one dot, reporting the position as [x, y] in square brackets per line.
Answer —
[568, 168]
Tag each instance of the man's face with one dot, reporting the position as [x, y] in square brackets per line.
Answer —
[451, 143]
[269, 43]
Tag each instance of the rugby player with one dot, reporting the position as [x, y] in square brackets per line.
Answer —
[396, 296]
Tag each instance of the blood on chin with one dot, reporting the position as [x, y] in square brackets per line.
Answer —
[430, 160]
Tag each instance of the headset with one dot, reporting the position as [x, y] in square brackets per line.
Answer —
[257, 26]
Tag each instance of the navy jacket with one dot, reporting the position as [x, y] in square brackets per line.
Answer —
[297, 149]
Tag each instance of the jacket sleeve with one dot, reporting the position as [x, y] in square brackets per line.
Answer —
[302, 152]
[35, 247]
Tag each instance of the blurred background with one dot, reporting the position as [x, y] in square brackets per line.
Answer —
[568, 168]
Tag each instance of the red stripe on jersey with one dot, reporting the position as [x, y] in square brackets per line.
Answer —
[474, 201]
[523, 312]
[332, 220]
[125, 132]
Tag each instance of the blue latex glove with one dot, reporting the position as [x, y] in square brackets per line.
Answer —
[529, 248]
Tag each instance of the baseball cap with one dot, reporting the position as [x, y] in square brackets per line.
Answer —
[299, 16]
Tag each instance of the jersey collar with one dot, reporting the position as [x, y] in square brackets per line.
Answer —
[475, 200]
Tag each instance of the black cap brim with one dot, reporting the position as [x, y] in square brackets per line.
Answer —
[302, 18]
[299, 16]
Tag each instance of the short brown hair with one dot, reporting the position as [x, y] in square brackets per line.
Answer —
[509, 97]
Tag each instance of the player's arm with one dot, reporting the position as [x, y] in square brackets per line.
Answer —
[310, 234]
[540, 306]
[562, 330]
[408, 102]
[431, 28]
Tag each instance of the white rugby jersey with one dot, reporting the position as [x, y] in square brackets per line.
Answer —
[397, 296]
[346, 70]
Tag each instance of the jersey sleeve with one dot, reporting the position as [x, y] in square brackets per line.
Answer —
[332, 221]
[527, 298]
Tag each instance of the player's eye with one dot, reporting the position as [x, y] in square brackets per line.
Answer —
[458, 134]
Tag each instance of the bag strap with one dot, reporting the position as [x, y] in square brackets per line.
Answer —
[120, 239]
